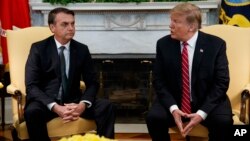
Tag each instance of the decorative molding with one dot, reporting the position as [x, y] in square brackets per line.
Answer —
[122, 6]
[124, 21]
[115, 28]
[111, 16]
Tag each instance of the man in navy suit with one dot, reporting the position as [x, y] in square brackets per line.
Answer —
[208, 79]
[46, 94]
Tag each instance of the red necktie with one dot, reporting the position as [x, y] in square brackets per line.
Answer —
[185, 102]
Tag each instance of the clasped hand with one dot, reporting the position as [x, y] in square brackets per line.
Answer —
[185, 128]
[69, 112]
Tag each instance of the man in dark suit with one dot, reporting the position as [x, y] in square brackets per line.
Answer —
[206, 83]
[47, 94]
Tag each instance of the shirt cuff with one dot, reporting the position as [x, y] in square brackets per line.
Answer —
[173, 107]
[50, 106]
[88, 103]
[202, 114]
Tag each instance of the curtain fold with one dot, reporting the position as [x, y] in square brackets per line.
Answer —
[13, 13]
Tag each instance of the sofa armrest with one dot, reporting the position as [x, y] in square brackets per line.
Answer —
[17, 95]
[245, 95]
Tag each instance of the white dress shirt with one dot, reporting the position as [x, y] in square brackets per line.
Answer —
[66, 53]
[191, 48]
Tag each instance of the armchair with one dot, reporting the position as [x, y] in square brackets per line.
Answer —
[238, 52]
[19, 43]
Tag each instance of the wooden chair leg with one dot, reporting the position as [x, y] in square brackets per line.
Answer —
[187, 138]
[14, 134]
[2, 93]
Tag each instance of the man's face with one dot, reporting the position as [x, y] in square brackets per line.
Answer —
[179, 27]
[63, 27]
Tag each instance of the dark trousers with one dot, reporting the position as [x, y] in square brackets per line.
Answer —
[219, 122]
[37, 115]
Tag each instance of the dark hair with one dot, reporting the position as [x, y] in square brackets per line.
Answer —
[54, 12]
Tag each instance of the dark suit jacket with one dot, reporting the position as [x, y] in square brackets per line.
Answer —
[210, 73]
[42, 73]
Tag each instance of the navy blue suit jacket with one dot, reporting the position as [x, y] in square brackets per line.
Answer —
[42, 73]
[210, 73]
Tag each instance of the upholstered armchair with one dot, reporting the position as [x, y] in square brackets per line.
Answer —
[238, 52]
[19, 43]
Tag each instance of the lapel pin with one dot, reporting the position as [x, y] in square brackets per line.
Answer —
[201, 50]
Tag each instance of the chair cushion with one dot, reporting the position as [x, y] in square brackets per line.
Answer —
[56, 128]
[198, 131]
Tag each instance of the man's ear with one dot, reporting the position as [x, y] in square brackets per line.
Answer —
[192, 27]
[51, 27]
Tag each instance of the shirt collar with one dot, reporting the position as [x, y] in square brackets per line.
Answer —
[192, 41]
[58, 44]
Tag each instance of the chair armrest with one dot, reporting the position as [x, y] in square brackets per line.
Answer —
[1, 85]
[82, 85]
[16, 94]
[245, 95]
[11, 89]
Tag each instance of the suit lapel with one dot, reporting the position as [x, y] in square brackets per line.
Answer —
[55, 57]
[72, 64]
[176, 56]
[200, 48]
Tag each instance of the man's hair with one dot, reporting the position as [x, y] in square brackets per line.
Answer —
[190, 11]
[54, 12]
